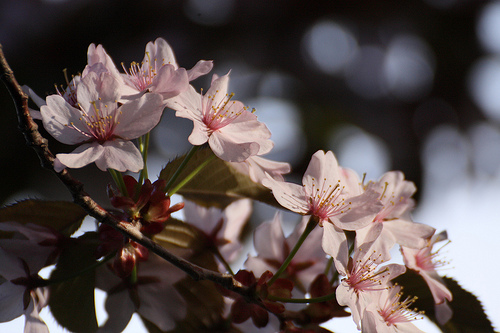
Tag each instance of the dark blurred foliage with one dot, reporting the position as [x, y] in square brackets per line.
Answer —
[40, 38]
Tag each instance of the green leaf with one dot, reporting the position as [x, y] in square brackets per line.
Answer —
[72, 301]
[468, 313]
[204, 303]
[218, 184]
[63, 216]
[178, 234]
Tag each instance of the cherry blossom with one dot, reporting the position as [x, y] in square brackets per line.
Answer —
[272, 249]
[222, 228]
[363, 275]
[324, 194]
[159, 72]
[424, 262]
[100, 124]
[388, 314]
[98, 61]
[19, 267]
[233, 133]
[37, 245]
[153, 296]
[393, 223]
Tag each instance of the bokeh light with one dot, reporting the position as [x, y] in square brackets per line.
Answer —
[488, 27]
[330, 46]
[360, 151]
[484, 85]
[408, 67]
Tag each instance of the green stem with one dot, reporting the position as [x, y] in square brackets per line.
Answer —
[118, 178]
[190, 176]
[143, 148]
[302, 300]
[181, 167]
[49, 282]
[133, 275]
[328, 265]
[313, 221]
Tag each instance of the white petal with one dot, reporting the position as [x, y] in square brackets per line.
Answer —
[33, 322]
[410, 234]
[225, 148]
[121, 156]
[37, 99]
[160, 53]
[139, 116]
[58, 117]
[269, 239]
[335, 244]
[94, 87]
[170, 81]
[11, 301]
[202, 67]
[199, 135]
[80, 157]
[290, 196]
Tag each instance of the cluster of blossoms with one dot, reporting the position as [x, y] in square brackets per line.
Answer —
[336, 257]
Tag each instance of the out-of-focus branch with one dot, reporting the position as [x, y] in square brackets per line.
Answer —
[34, 139]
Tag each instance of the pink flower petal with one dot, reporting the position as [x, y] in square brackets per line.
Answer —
[94, 87]
[202, 67]
[335, 244]
[289, 195]
[269, 239]
[225, 148]
[170, 81]
[121, 156]
[81, 156]
[139, 116]
[57, 117]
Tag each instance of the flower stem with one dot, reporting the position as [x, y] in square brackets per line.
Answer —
[181, 167]
[118, 178]
[190, 176]
[328, 265]
[302, 300]
[133, 275]
[313, 221]
[143, 148]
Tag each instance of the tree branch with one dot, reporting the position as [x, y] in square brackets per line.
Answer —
[35, 140]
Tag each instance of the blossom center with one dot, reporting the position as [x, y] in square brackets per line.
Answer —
[427, 260]
[363, 275]
[220, 113]
[395, 311]
[141, 75]
[100, 122]
[325, 200]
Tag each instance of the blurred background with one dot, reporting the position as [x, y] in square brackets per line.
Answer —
[412, 85]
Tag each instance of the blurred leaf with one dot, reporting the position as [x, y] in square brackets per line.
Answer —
[179, 234]
[204, 307]
[217, 184]
[72, 301]
[468, 313]
[204, 302]
[63, 216]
